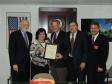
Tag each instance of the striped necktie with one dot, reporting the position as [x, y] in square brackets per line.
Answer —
[26, 39]
[72, 40]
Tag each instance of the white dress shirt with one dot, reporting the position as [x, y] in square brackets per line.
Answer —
[95, 37]
[75, 33]
[74, 36]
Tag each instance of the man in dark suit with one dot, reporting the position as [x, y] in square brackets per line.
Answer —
[98, 48]
[19, 46]
[77, 53]
[59, 64]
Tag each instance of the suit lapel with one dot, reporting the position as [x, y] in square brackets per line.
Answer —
[69, 39]
[58, 37]
[28, 39]
[76, 39]
[21, 36]
[69, 36]
[97, 39]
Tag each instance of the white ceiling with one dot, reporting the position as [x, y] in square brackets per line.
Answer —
[59, 2]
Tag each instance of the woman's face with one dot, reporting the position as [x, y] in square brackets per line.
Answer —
[41, 36]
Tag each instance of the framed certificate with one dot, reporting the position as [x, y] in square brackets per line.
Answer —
[50, 52]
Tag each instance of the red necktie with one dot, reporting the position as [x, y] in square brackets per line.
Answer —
[92, 40]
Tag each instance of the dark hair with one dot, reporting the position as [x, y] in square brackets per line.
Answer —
[55, 20]
[39, 31]
[95, 23]
[73, 22]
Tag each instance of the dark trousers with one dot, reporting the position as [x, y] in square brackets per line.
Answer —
[35, 69]
[59, 74]
[93, 76]
[20, 77]
[74, 73]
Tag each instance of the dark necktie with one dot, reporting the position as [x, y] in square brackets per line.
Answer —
[54, 37]
[72, 40]
[26, 38]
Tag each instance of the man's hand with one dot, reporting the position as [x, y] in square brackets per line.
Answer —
[100, 69]
[15, 67]
[82, 66]
[59, 56]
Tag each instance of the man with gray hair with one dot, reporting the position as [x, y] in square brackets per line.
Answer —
[58, 65]
[19, 46]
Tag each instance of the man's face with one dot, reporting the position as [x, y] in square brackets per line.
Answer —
[55, 26]
[24, 25]
[73, 27]
[94, 29]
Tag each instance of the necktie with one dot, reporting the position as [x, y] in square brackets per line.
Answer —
[92, 40]
[26, 38]
[72, 40]
[54, 37]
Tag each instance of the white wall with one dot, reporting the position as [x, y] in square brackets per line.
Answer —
[83, 11]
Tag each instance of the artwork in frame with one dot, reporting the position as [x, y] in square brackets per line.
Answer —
[13, 20]
[64, 15]
[105, 25]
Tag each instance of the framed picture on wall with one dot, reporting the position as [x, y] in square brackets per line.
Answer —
[13, 20]
[64, 15]
[105, 25]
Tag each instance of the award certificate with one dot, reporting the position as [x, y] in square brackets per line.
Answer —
[50, 52]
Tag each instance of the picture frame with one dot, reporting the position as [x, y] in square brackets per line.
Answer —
[105, 25]
[63, 14]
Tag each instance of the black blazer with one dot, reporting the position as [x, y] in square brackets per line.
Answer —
[18, 50]
[79, 51]
[62, 43]
[98, 51]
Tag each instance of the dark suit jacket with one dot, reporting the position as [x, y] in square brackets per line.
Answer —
[62, 43]
[79, 51]
[18, 51]
[98, 52]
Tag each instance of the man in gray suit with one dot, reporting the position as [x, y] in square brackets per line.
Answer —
[77, 53]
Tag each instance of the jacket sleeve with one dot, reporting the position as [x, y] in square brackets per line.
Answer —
[11, 49]
[84, 47]
[104, 50]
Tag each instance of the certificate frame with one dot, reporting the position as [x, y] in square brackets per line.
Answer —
[50, 51]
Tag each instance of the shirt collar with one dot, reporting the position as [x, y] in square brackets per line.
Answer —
[57, 33]
[95, 36]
